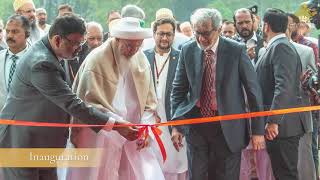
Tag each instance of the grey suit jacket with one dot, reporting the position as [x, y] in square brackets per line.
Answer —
[40, 93]
[279, 71]
[3, 85]
[308, 62]
[306, 56]
[233, 71]
[174, 56]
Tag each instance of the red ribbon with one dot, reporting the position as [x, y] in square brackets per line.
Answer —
[157, 132]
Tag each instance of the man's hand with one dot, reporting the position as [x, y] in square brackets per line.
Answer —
[142, 143]
[258, 142]
[252, 52]
[272, 131]
[176, 138]
[128, 132]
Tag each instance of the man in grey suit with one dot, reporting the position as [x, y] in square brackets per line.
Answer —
[306, 165]
[209, 81]
[18, 30]
[279, 73]
[39, 93]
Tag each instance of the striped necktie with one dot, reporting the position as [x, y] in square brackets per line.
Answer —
[208, 90]
[12, 69]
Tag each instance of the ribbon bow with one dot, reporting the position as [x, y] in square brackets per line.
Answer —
[144, 131]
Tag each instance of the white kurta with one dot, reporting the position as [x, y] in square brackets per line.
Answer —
[176, 164]
[121, 160]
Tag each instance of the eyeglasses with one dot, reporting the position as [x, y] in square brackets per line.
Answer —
[205, 34]
[162, 34]
[74, 43]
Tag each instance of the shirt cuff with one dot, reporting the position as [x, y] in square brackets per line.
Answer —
[109, 125]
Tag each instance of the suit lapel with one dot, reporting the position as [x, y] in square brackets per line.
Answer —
[197, 60]
[150, 56]
[220, 64]
[171, 69]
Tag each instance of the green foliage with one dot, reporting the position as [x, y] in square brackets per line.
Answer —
[226, 12]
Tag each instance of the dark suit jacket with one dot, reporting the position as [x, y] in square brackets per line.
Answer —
[40, 93]
[233, 72]
[174, 56]
[279, 71]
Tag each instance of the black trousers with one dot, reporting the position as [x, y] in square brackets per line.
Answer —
[209, 156]
[283, 154]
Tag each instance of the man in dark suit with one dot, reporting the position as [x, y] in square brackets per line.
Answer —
[244, 23]
[279, 70]
[39, 93]
[163, 59]
[211, 74]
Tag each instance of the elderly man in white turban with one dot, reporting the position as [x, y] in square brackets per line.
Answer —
[117, 76]
[27, 9]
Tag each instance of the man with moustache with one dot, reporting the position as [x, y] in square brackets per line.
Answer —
[244, 20]
[38, 92]
[26, 8]
[210, 81]
[41, 14]
[163, 59]
[17, 30]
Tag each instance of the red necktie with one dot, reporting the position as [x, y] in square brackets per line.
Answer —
[208, 90]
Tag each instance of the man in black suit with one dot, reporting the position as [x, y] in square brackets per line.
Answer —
[211, 74]
[279, 70]
[39, 93]
[244, 23]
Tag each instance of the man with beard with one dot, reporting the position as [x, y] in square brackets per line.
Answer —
[212, 73]
[163, 59]
[41, 14]
[279, 70]
[243, 20]
[39, 93]
[17, 30]
[298, 37]
[26, 8]
[117, 76]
